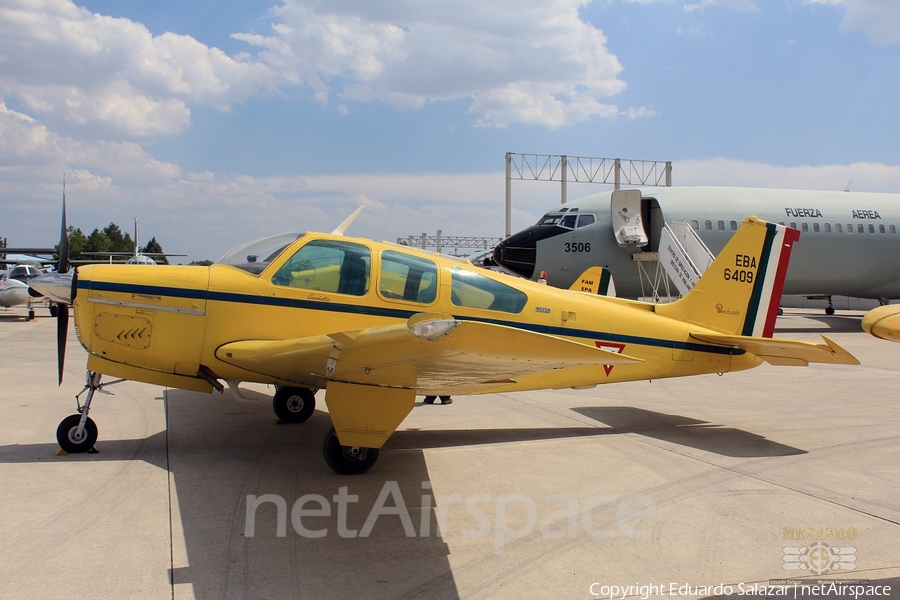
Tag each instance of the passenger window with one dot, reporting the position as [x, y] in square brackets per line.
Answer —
[721, 225]
[827, 227]
[695, 224]
[793, 225]
[816, 227]
[405, 277]
[327, 266]
[871, 228]
[707, 224]
[892, 229]
[804, 227]
[849, 227]
[880, 228]
[860, 228]
[837, 228]
[473, 290]
[585, 220]
[734, 225]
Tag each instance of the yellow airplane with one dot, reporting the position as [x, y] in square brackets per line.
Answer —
[883, 322]
[375, 324]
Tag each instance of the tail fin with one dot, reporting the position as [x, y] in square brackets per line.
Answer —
[740, 291]
[595, 280]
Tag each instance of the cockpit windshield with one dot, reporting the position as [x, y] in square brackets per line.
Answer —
[254, 257]
[569, 221]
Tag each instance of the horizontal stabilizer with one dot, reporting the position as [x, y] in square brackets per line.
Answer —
[782, 352]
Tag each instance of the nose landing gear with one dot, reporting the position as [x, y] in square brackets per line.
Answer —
[78, 433]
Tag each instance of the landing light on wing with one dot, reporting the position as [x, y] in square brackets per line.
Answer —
[432, 330]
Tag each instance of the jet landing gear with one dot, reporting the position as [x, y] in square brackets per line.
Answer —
[294, 405]
[77, 433]
[829, 310]
[347, 460]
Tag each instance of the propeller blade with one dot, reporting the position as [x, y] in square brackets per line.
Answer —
[63, 265]
[62, 330]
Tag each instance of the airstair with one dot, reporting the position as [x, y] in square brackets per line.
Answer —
[676, 261]
[680, 262]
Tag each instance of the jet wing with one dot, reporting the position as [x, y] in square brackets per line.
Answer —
[782, 352]
[430, 352]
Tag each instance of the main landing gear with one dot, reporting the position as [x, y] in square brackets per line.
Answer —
[293, 404]
[347, 460]
[77, 433]
[829, 310]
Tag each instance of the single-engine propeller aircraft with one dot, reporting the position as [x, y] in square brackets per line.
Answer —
[375, 324]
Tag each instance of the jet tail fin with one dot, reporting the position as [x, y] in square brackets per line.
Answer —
[595, 280]
[740, 292]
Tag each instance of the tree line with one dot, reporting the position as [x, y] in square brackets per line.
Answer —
[109, 239]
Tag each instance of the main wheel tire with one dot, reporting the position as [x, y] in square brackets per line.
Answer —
[69, 441]
[829, 311]
[294, 405]
[347, 460]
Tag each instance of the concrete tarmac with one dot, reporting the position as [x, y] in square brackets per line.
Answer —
[698, 483]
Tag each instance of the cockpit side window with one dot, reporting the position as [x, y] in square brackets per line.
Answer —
[585, 220]
[405, 277]
[327, 266]
[550, 220]
[569, 221]
[473, 290]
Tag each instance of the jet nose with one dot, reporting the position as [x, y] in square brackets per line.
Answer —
[56, 286]
[518, 253]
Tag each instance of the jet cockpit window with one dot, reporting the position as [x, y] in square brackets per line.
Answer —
[405, 277]
[255, 256]
[327, 266]
[569, 221]
[473, 290]
[550, 220]
[585, 220]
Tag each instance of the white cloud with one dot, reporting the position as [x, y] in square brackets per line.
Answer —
[741, 5]
[102, 76]
[410, 55]
[879, 19]
[866, 176]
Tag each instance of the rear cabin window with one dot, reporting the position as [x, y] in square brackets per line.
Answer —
[327, 266]
[473, 290]
[405, 277]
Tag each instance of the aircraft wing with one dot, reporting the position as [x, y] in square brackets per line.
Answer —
[429, 352]
[782, 352]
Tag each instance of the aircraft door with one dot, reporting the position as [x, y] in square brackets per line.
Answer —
[627, 219]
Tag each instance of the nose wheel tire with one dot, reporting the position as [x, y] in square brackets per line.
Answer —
[294, 405]
[347, 460]
[68, 438]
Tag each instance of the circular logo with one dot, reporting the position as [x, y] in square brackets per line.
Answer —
[819, 558]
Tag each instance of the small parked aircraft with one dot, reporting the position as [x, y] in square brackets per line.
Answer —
[375, 324]
[883, 322]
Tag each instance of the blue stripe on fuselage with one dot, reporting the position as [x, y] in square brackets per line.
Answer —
[394, 313]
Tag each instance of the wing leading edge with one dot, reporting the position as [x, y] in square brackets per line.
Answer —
[430, 352]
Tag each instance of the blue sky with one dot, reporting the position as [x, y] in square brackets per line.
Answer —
[219, 122]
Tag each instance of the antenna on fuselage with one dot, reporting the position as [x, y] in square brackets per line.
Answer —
[340, 229]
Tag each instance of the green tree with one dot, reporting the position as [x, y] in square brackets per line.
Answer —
[154, 246]
[98, 242]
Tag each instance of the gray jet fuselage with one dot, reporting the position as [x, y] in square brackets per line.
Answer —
[849, 241]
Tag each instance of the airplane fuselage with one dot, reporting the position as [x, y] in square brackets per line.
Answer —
[849, 241]
[167, 326]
